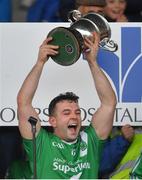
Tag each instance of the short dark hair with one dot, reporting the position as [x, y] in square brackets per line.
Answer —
[100, 3]
[64, 96]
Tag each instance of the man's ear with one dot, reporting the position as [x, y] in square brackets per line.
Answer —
[52, 121]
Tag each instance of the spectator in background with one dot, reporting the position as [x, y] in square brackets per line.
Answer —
[86, 6]
[124, 168]
[112, 10]
[5, 11]
[44, 11]
[114, 149]
[115, 10]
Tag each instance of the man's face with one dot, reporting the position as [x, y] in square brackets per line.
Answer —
[86, 9]
[67, 120]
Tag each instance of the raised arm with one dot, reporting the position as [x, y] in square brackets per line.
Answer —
[28, 89]
[102, 120]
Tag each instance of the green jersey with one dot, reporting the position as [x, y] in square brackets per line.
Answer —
[57, 159]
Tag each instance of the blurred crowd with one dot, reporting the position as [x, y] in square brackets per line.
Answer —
[57, 10]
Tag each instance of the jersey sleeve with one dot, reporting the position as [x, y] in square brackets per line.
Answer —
[94, 139]
[41, 138]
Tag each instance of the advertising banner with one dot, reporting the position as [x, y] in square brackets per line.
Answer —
[19, 45]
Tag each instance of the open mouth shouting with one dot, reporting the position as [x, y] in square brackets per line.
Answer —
[72, 127]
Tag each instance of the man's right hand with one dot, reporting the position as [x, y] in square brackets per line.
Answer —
[47, 50]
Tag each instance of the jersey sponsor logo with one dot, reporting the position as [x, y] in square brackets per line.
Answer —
[83, 146]
[58, 145]
[66, 168]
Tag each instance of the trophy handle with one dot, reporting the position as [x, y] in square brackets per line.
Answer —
[74, 15]
[108, 45]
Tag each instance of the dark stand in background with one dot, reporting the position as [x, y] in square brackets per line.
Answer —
[10, 141]
[33, 122]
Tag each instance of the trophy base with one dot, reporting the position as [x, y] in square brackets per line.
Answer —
[70, 45]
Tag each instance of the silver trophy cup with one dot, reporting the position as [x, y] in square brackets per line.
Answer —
[71, 40]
